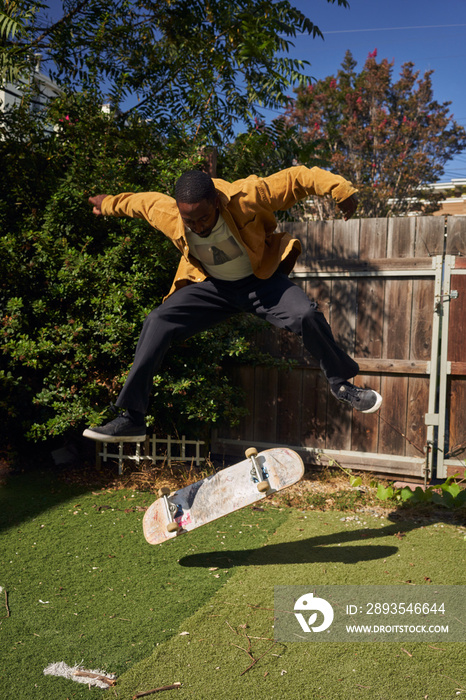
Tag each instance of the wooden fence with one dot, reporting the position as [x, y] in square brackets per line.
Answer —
[394, 293]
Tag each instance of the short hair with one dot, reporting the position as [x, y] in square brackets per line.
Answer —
[194, 186]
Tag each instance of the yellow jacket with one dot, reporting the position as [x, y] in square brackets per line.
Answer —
[247, 207]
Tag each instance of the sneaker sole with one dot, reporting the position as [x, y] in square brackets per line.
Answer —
[376, 406]
[100, 437]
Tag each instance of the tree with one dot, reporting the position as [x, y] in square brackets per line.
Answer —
[14, 20]
[202, 63]
[391, 139]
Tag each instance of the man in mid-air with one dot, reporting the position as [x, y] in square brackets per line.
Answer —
[232, 260]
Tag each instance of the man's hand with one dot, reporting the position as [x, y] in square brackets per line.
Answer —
[97, 203]
[348, 206]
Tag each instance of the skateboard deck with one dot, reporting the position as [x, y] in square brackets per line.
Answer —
[228, 490]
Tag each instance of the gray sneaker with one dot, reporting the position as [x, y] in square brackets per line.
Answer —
[364, 400]
[120, 429]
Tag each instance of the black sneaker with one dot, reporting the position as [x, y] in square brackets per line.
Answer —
[364, 400]
[121, 429]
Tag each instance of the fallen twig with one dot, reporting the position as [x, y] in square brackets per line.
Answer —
[258, 659]
[461, 690]
[156, 690]
[97, 676]
[248, 650]
[243, 649]
[235, 631]
[6, 606]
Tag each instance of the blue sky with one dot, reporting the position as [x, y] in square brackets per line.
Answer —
[429, 33]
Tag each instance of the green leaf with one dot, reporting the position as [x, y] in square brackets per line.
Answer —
[384, 493]
[452, 488]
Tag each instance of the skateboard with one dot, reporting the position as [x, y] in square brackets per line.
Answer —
[238, 486]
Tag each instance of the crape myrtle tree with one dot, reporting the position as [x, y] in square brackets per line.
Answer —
[74, 289]
[390, 138]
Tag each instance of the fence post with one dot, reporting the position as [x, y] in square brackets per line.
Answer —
[431, 418]
[445, 366]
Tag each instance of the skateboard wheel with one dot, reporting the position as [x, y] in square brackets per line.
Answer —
[251, 452]
[164, 491]
[263, 486]
[173, 527]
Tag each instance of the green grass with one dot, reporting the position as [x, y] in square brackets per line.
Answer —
[117, 604]
[109, 597]
[311, 549]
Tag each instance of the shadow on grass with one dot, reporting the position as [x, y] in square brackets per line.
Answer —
[311, 550]
[26, 495]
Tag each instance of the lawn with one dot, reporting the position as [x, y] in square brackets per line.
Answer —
[81, 585]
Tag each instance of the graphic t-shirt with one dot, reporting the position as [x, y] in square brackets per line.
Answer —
[220, 254]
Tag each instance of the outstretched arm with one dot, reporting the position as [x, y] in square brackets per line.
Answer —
[158, 209]
[283, 189]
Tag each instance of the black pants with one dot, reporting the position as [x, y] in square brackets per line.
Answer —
[199, 306]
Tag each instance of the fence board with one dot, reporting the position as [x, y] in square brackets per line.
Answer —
[320, 242]
[397, 318]
[393, 415]
[418, 403]
[373, 239]
[346, 239]
[265, 404]
[401, 237]
[314, 409]
[244, 378]
[289, 407]
[343, 313]
[430, 237]
[421, 319]
[456, 235]
[457, 355]
[369, 326]
[338, 431]
[365, 437]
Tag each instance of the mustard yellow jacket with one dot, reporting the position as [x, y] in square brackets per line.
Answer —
[248, 208]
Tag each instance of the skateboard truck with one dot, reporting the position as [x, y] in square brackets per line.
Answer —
[256, 472]
[170, 510]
